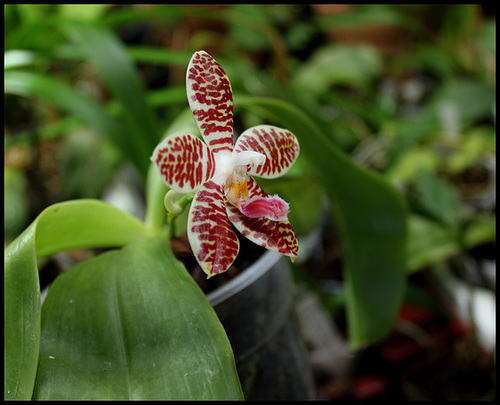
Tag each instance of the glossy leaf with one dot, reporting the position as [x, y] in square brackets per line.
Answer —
[133, 324]
[85, 224]
[371, 218]
[69, 225]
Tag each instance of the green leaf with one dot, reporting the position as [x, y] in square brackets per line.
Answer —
[85, 223]
[21, 316]
[69, 225]
[338, 64]
[133, 324]
[372, 221]
[431, 242]
[118, 73]
[71, 100]
[437, 197]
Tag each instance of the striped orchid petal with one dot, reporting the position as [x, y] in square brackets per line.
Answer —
[280, 147]
[184, 161]
[226, 194]
[270, 234]
[212, 239]
[211, 100]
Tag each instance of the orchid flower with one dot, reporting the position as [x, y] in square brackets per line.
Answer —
[220, 174]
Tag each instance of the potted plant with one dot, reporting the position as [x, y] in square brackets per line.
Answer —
[108, 329]
[256, 306]
[131, 322]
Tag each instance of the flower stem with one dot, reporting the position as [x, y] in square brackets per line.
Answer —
[180, 205]
[155, 210]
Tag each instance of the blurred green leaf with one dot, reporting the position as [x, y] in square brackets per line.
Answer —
[368, 15]
[71, 100]
[472, 99]
[472, 147]
[339, 64]
[133, 324]
[108, 55]
[437, 197]
[16, 206]
[410, 162]
[371, 218]
[88, 162]
[431, 243]
[16, 58]
[487, 37]
[158, 56]
[83, 12]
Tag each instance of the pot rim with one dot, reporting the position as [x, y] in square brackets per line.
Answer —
[245, 278]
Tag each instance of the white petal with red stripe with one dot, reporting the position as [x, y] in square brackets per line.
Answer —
[214, 243]
[211, 100]
[280, 147]
[185, 162]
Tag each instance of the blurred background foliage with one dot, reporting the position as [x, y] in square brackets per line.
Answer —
[406, 90]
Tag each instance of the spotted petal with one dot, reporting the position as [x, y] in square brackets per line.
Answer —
[211, 100]
[214, 243]
[273, 235]
[280, 147]
[185, 162]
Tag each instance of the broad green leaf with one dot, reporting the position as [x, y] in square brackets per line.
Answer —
[21, 316]
[69, 225]
[372, 221]
[133, 324]
[85, 223]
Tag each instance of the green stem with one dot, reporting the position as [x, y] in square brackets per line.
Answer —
[182, 203]
[155, 210]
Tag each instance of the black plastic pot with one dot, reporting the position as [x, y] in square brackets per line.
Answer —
[256, 310]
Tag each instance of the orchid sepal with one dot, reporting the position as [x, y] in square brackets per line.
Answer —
[211, 100]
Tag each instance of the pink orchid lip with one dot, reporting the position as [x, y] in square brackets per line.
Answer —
[273, 208]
